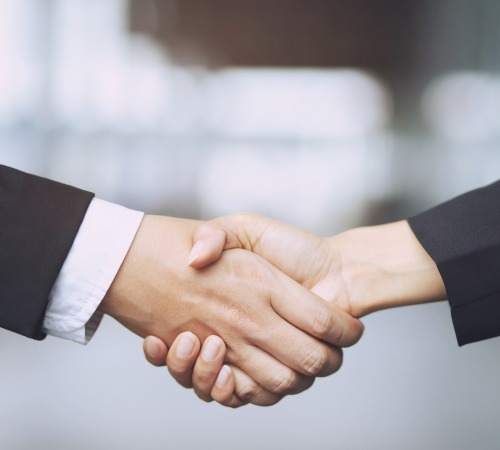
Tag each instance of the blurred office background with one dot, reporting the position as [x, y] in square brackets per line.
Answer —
[327, 114]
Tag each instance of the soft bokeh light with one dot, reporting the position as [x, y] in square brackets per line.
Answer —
[464, 106]
[20, 81]
[312, 187]
[316, 104]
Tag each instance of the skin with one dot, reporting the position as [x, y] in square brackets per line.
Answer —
[361, 271]
[242, 298]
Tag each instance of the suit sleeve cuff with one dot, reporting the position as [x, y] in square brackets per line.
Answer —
[98, 251]
[462, 236]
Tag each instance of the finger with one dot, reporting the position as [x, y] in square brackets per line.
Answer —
[223, 391]
[155, 350]
[267, 373]
[207, 367]
[246, 231]
[234, 388]
[247, 390]
[302, 354]
[182, 356]
[268, 238]
[224, 233]
[315, 316]
[209, 241]
[296, 313]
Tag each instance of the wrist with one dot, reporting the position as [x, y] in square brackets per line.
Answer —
[151, 292]
[386, 266]
[135, 288]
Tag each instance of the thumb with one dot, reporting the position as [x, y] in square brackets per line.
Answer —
[225, 233]
[208, 246]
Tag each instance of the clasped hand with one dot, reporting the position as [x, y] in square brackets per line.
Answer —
[357, 272]
[274, 331]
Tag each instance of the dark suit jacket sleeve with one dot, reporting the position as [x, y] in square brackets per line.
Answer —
[463, 237]
[39, 220]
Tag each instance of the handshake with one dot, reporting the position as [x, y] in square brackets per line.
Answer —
[272, 304]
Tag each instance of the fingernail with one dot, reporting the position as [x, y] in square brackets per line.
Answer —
[223, 377]
[186, 346]
[153, 348]
[195, 252]
[211, 349]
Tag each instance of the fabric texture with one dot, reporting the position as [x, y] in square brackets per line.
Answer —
[463, 237]
[96, 255]
[39, 220]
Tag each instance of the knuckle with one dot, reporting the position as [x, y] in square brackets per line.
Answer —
[245, 325]
[176, 367]
[285, 382]
[315, 361]
[249, 392]
[260, 335]
[324, 322]
[203, 377]
[236, 315]
[224, 398]
[239, 319]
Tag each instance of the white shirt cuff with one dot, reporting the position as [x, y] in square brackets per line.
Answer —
[96, 255]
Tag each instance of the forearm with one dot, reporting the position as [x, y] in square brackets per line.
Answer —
[385, 266]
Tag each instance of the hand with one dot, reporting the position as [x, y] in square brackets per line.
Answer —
[252, 306]
[211, 379]
[361, 270]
